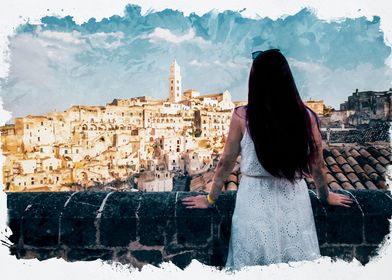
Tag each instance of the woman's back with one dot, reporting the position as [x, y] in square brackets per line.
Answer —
[273, 219]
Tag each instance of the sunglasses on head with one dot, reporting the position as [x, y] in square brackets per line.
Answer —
[257, 53]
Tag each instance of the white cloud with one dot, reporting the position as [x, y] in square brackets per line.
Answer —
[162, 34]
[73, 37]
[108, 40]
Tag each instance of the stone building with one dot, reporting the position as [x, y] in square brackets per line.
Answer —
[92, 145]
[368, 105]
[319, 107]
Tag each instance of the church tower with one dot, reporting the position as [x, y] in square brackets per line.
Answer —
[175, 83]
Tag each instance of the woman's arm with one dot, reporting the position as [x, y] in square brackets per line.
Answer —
[229, 156]
[225, 165]
[319, 171]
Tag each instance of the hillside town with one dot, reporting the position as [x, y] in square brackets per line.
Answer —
[147, 144]
[142, 139]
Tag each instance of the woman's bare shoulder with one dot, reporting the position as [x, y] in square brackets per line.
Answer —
[241, 111]
[241, 116]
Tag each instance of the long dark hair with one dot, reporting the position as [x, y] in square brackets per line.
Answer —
[277, 119]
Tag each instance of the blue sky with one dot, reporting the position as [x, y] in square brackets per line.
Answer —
[58, 62]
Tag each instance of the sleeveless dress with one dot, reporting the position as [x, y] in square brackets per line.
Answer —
[273, 219]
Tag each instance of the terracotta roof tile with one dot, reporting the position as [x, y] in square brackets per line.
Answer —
[353, 178]
[351, 161]
[372, 160]
[341, 160]
[341, 177]
[347, 186]
[335, 186]
[365, 153]
[380, 169]
[370, 185]
[335, 169]
[347, 168]
[368, 169]
[350, 167]
[383, 160]
[385, 153]
[330, 178]
[358, 169]
[232, 178]
[330, 160]
[354, 153]
[363, 177]
[231, 186]
[359, 186]
[335, 153]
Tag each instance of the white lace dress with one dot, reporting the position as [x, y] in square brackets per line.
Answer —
[273, 219]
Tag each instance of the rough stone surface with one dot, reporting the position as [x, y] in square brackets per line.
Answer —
[139, 228]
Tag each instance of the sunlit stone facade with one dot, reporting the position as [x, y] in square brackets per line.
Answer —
[92, 145]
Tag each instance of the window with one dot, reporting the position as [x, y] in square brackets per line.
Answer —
[42, 123]
[178, 88]
[27, 126]
[171, 88]
[171, 81]
[39, 138]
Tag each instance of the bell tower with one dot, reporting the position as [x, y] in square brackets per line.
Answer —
[175, 83]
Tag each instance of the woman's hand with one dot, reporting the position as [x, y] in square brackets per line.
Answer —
[198, 201]
[339, 200]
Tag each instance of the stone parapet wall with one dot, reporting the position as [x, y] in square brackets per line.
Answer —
[140, 228]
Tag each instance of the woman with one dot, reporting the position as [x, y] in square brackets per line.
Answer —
[280, 144]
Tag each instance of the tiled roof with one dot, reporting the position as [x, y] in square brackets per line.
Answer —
[349, 167]
[355, 167]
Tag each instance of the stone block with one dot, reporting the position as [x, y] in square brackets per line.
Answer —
[76, 254]
[345, 253]
[377, 209]
[153, 257]
[344, 225]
